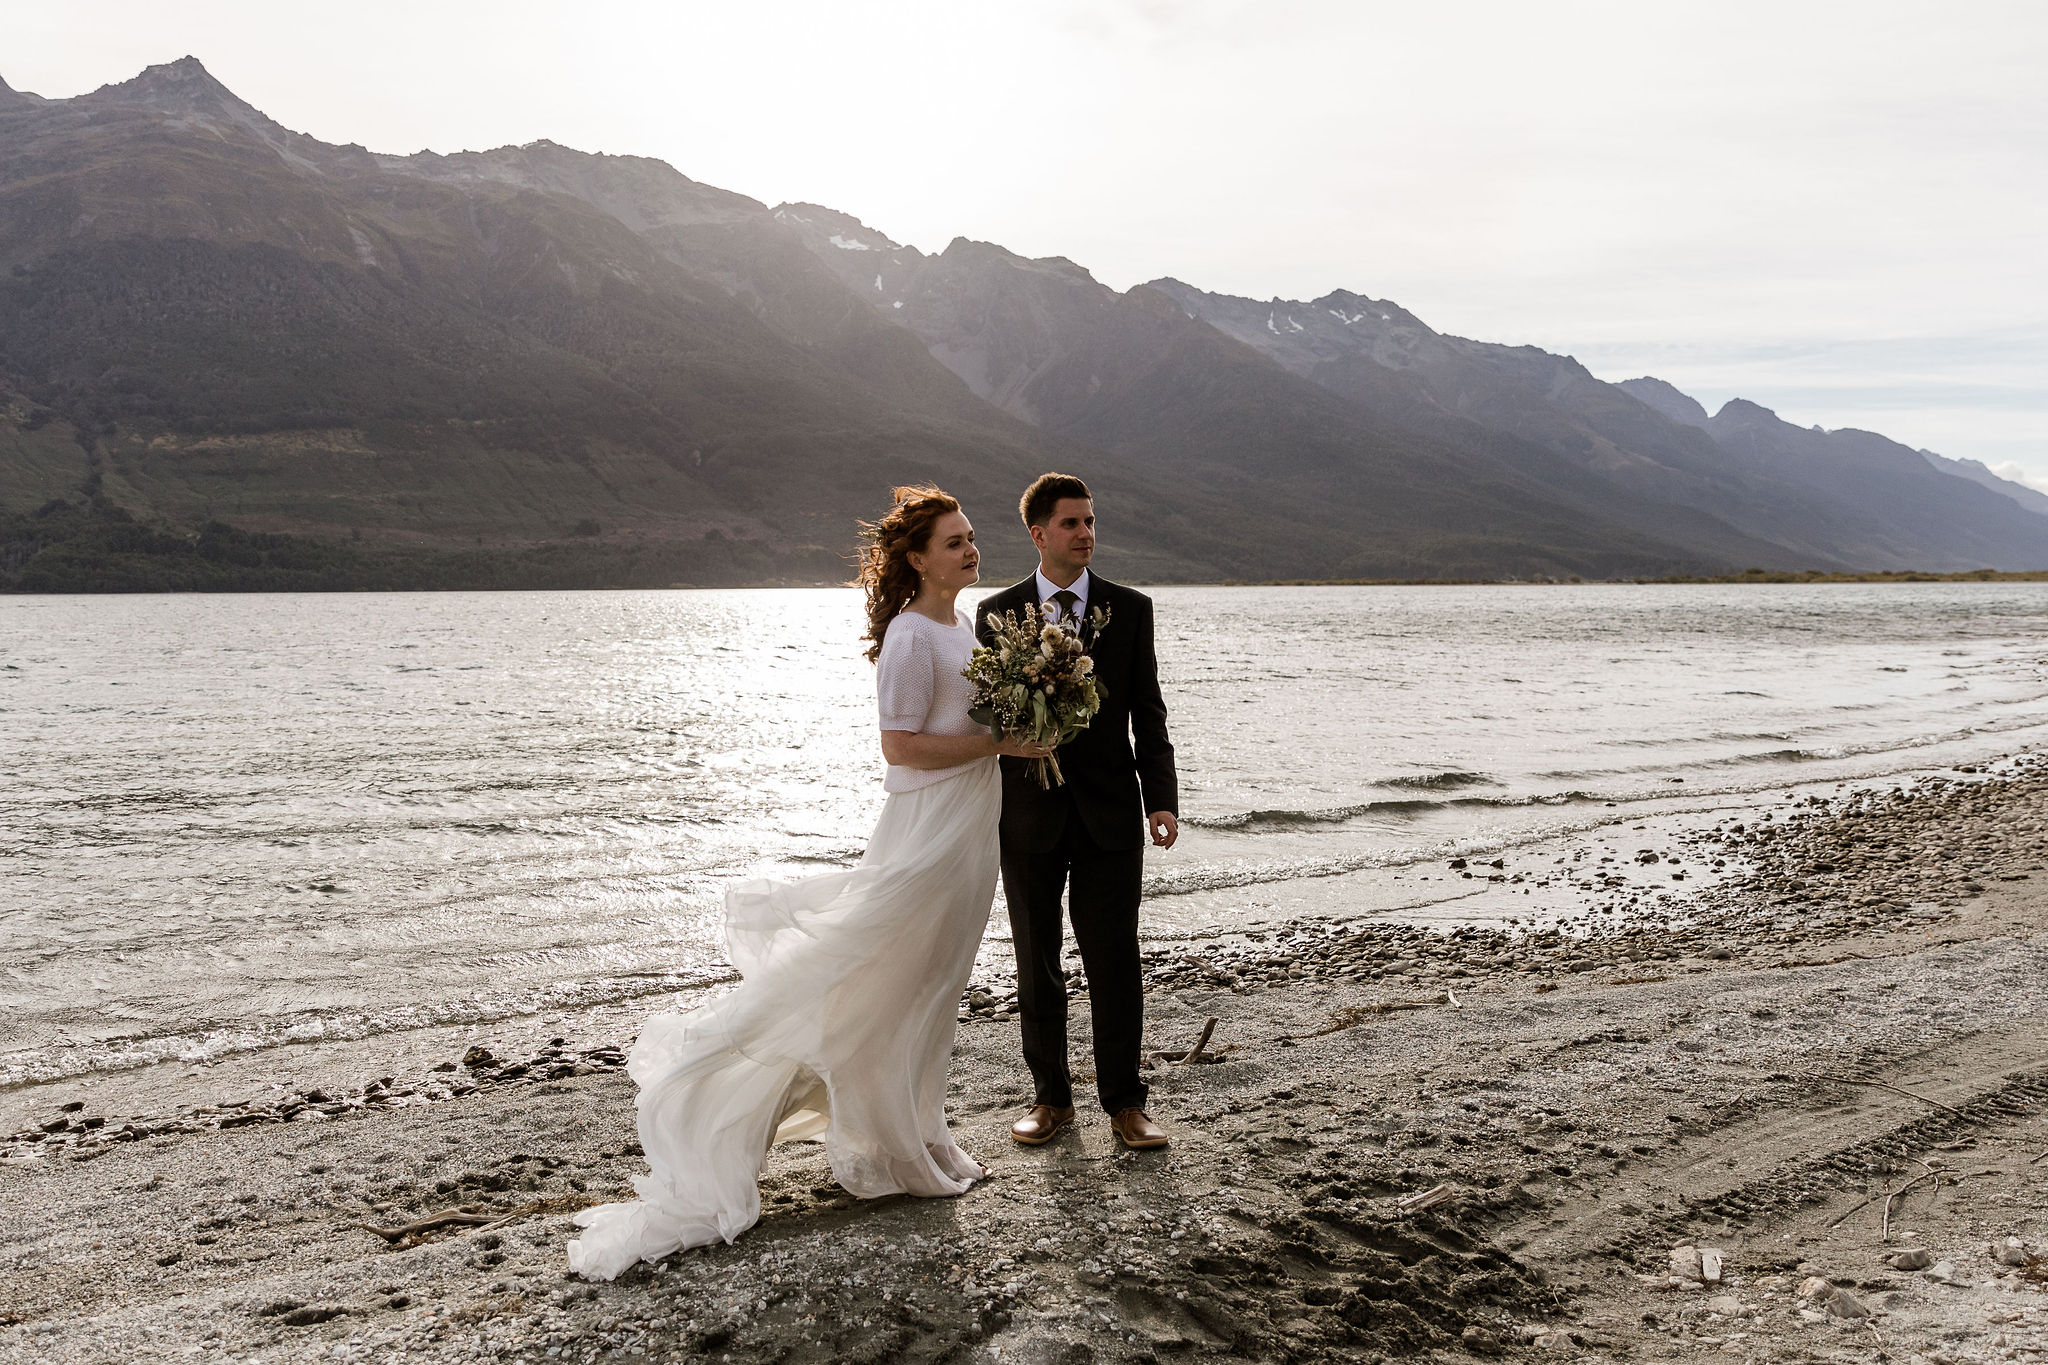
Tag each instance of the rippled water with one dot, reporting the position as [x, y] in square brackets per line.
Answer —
[231, 821]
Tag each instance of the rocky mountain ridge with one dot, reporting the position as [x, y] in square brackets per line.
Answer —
[534, 350]
[1976, 471]
[1843, 497]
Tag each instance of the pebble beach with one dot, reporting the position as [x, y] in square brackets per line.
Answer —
[1803, 1120]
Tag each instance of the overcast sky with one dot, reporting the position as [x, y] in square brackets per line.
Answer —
[1837, 208]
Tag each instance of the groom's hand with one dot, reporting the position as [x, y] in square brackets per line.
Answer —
[1165, 828]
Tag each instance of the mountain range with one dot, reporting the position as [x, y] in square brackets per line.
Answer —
[233, 355]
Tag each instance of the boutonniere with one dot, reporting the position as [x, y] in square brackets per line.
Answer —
[1098, 617]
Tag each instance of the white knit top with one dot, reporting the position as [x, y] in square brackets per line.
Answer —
[919, 687]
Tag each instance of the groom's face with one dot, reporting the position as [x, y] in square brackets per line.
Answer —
[1066, 543]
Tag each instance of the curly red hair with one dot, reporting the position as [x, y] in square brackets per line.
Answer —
[885, 572]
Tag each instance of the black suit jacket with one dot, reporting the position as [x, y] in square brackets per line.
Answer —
[1121, 767]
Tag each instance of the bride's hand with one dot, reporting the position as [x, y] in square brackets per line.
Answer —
[1016, 746]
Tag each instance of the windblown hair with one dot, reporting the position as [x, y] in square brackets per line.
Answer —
[885, 572]
[1045, 493]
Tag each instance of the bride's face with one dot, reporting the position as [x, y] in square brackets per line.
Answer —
[949, 562]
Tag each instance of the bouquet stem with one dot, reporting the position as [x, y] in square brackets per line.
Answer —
[1047, 771]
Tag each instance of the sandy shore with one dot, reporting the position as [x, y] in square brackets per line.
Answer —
[1400, 1144]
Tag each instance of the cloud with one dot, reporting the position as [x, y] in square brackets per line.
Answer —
[1968, 395]
[2011, 469]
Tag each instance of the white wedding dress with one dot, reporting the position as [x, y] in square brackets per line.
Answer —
[842, 1026]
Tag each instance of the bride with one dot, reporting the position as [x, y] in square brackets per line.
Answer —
[842, 1026]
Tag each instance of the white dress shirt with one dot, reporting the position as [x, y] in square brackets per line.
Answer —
[1079, 587]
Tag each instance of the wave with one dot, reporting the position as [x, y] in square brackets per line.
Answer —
[1410, 807]
[1193, 880]
[1775, 756]
[1450, 781]
[1591, 786]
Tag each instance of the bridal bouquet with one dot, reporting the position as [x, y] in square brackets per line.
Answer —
[1036, 680]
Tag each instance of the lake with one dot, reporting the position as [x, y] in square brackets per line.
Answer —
[233, 822]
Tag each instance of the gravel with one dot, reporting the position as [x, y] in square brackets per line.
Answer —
[1589, 1095]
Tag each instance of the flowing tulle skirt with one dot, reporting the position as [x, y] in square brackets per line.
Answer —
[841, 1029]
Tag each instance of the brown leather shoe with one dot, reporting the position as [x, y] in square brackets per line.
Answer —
[1041, 1125]
[1134, 1129]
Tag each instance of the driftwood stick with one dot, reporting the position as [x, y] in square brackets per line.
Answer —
[1883, 1085]
[1429, 1198]
[1195, 1053]
[482, 1222]
[453, 1218]
[1354, 1015]
[1863, 1203]
[1884, 1233]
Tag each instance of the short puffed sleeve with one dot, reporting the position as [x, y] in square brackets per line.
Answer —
[904, 677]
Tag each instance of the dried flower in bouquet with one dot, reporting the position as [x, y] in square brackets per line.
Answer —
[1034, 679]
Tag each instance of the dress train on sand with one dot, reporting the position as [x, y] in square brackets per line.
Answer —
[841, 1030]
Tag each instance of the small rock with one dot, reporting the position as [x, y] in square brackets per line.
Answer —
[1479, 1341]
[2011, 1255]
[1944, 1272]
[1845, 1305]
[1727, 1305]
[1701, 1265]
[1913, 1258]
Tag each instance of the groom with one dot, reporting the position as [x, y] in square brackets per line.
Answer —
[1086, 837]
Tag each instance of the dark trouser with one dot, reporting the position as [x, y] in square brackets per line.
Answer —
[1102, 887]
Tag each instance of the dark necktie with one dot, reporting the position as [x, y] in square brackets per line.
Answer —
[1068, 600]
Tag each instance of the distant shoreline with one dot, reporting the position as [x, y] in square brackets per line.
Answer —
[770, 585]
[94, 547]
[1747, 576]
